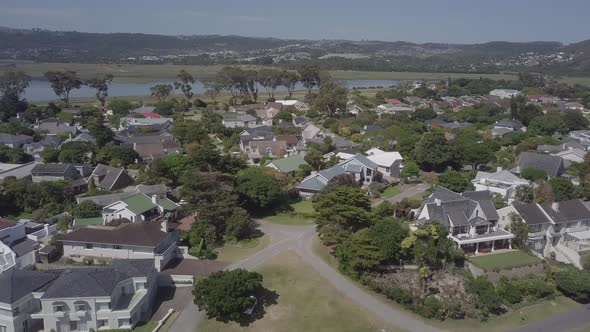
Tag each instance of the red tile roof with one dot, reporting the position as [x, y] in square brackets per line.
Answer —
[6, 223]
[151, 115]
[392, 101]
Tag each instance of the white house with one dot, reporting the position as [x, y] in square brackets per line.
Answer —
[235, 120]
[504, 93]
[16, 249]
[388, 163]
[139, 207]
[575, 155]
[501, 182]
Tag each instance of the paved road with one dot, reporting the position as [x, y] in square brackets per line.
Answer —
[300, 239]
[567, 321]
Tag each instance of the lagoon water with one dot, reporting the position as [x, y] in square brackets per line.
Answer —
[41, 90]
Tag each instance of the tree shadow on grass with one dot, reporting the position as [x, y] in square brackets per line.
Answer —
[266, 298]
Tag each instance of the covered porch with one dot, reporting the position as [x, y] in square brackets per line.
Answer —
[578, 241]
[484, 243]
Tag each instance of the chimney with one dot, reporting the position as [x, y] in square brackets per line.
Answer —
[437, 201]
[164, 226]
[499, 169]
[155, 199]
[555, 206]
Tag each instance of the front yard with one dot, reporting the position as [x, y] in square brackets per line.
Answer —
[301, 214]
[505, 260]
[390, 192]
[306, 302]
[233, 252]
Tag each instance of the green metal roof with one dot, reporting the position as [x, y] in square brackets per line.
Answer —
[289, 164]
[88, 221]
[139, 203]
[167, 204]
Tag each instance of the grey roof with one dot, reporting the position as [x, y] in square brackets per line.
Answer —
[18, 171]
[514, 124]
[85, 137]
[57, 169]
[531, 213]
[372, 127]
[104, 200]
[353, 167]
[96, 282]
[313, 183]
[15, 139]
[152, 189]
[444, 195]
[361, 159]
[17, 283]
[331, 172]
[552, 166]
[56, 127]
[572, 210]
[484, 198]
[145, 109]
[110, 175]
[23, 246]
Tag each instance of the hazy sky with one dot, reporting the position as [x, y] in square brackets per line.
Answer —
[454, 21]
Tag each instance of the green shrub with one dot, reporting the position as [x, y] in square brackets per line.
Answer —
[574, 283]
[88, 261]
[432, 308]
[400, 295]
[508, 291]
[488, 301]
[586, 262]
[535, 287]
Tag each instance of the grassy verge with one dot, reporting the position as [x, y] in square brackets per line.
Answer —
[390, 192]
[147, 327]
[505, 260]
[301, 214]
[233, 252]
[522, 316]
[306, 302]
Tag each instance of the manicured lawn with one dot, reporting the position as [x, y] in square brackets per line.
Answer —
[390, 192]
[505, 260]
[306, 302]
[233, 252]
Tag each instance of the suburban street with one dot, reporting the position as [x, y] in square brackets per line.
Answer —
[299, 239]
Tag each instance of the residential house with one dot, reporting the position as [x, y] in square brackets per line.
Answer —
[298, 105]
[53, 172]
[340, 144]
[116, 297]
[257, 133]
[15, 141]
[564, 146]
[82, 137]
[574, 105]
[267, 115]
[235, 120]
[151, 147]
[514, 125]
[438, 123]
[288, 165]
[501, 182]
[572, 155]
[582, 136]
[558, 229]
[257, 149]
[312, 132]
[54, 127]
[394, 108]
[353, 108]
[19, 298]
[553, 166]
[147, 240]
[388, 163]
[362, 169]
[504, 93]
[300, 121]
[110, 178]
[140, 207]
[19, 171]
[470, 218]
[36, 148]
[543, 99]
[16, 249]
[144, 124]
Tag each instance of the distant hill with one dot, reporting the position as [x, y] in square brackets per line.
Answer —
[70, 46]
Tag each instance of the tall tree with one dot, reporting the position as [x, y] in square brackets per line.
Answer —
[12, 87]
[310, 77]
[289, 80]
[62, 82]
[161, 91]
[331, 99]
[270, 80]
[101, 84]
[185, 84]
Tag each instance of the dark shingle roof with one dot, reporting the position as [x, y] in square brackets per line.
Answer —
[515, 124]
[551, 165]
[567, 211]
[146, 234]
[484, 198]
[531, 213]
[17, 283]
[92, 282]
[108, 174]
[58, 169]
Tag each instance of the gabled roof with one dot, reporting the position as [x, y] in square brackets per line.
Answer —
[317, 181]
[385, 159]
[14, 139]
[531, 213]
[139, 203]
[17, 283]
[577, 152]
[451, 208]
[56, 169]
[501, 176]
[361, 159]
[551, 165]
[109, 175]
[566, 211]
[514, 124]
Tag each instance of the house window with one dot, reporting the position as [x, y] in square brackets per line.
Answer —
[15, 311]
[58, 308]
[2, 328]
[88, 246]
[386, 169]
[118, 247]
[73, 326]
[102, 323]
[80, 307]
[123, 322]
[369, 172]
[140, 285]
[103, 306]
[535, 228]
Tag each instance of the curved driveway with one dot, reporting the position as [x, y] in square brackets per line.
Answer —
[299, 239]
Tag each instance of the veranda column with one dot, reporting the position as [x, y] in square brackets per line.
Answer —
[509, 243]
[477, 248]
[493, 245]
